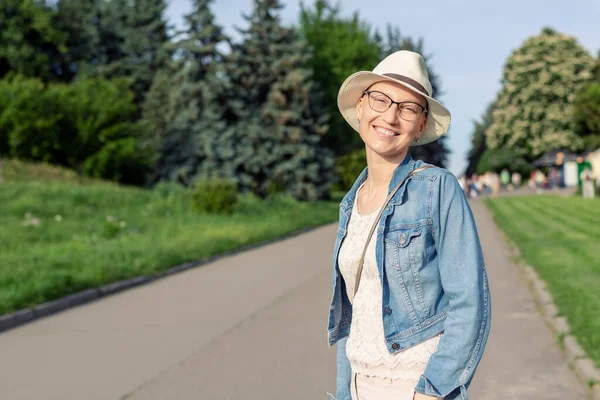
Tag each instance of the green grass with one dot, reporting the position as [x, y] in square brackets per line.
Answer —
[89, 235]
[560, 238]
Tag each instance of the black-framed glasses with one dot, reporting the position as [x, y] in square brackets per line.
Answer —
[381, 102]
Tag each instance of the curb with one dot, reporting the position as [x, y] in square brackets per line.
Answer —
[583, 366]
[26, 315]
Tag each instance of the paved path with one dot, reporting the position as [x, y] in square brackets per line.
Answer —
[252, 327]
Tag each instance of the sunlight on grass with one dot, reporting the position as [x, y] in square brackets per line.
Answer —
[560, 238]
[57, 238]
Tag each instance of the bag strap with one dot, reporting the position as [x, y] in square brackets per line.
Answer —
[387, 200]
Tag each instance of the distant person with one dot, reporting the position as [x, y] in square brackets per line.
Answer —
[505, 178]
[587, 183]
[516, 180]
[531, 182]
[539, 180]
[475, 187]
[553, 178]
[494, 183]
[410, 310]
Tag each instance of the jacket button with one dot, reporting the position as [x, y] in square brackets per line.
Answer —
[387, 310]
[403, 238]
[395, 346]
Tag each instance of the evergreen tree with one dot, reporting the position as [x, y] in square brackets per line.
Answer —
[274, 119]
[176, 101]
[79, 20]
[114, 16]
[437, 152]
[134, 34]
[478, 144]
[144, 45]
[29, 42]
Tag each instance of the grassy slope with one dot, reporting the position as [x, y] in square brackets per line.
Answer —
[560, 237]
[104, 233]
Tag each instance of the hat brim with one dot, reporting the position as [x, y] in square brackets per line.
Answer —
[438, 116]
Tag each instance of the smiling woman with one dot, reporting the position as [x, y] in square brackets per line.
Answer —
[410, 311]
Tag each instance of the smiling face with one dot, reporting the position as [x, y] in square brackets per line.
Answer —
[385, 133]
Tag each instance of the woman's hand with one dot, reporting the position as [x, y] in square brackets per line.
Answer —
[419, 396]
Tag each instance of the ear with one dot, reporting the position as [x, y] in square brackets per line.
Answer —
[422, 127]
[359, 108]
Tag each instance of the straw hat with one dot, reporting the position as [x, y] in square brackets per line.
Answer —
[408, 69]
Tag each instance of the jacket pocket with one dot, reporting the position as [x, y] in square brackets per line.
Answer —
[404, 248]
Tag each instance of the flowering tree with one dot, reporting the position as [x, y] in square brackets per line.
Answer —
[533, 112]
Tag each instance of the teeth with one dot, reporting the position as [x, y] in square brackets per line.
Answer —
[385, 132]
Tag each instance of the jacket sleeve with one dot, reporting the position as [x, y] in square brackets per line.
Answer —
[462, 271]
[344, 371]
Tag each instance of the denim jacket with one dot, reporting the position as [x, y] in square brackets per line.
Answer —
[433, 279]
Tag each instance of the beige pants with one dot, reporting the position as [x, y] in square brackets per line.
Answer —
[374, 388]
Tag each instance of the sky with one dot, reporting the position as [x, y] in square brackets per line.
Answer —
[470, 41]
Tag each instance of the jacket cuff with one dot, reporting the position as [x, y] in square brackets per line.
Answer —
[424, 387]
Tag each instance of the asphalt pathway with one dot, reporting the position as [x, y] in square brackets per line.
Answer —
[253, 327]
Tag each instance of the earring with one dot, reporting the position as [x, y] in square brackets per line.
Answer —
[416, 140]
[358, 121]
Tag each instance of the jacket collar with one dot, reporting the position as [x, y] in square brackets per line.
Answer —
[406, 167]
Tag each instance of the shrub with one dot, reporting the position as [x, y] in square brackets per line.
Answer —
[348, 167]
[87, 125]
[214, 195]
[121, 161]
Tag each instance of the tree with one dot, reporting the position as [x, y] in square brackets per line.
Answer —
[29, 41]
[533, 112]
[114, 16]
[271, 141]
[478, 141]
[340, 46]
[79, 20]
[134, 37]
[175, 104]
[586, 117]
[144, 45]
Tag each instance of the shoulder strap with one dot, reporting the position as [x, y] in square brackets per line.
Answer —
[387, 200]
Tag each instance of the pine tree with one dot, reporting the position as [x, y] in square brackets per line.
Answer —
[134, 34]
[274, 120]
[114, 15]
[29, 42]
[176, 102]
[79, 20]
[478, 142]
[144, 45]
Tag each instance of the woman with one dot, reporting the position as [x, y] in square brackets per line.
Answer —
[411, 320]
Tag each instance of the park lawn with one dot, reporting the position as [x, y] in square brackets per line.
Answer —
[560, 238]
[57, 237]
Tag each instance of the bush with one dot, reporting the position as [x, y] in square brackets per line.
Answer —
[33, 119]
[87, 125]
[120, 161]
[348, 167]
[215, 195]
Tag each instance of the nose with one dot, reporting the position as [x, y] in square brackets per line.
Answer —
[391, 114]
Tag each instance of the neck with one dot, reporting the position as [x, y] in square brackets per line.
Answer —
[380, 172]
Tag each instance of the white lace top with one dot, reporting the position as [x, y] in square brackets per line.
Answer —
[366, 348]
